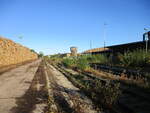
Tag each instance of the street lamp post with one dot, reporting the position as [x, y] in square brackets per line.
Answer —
[146, 39]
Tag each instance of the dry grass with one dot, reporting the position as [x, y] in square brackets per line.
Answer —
[123, 77]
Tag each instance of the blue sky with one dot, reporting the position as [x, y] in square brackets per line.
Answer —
[52, 26]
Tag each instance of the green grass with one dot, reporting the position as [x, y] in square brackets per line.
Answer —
[134, 59]
[69, 62]
[98, 59]
[138, 58]
[83, 62]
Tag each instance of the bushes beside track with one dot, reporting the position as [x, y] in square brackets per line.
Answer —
[134, 59]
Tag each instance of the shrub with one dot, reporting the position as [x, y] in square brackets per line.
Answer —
[82, 63]
[69, 62]
[105, 94]
[138, 58]
[102, 93]
[97, 58]
[103, 59]
[32, 50]
[41, 54]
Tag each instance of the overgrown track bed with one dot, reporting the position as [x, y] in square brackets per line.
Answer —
[129, 101]
[66, 97]
[87, 78]
[134, 73]
[131, 88]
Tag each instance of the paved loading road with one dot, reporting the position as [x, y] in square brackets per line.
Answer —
[14, 84]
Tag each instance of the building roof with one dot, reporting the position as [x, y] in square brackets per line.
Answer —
[95, 50]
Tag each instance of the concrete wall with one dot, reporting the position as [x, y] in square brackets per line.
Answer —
[13, 53]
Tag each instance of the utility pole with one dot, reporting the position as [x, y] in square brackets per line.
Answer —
[104, 35]
[90, 47]
[146, 45]
[90, 44]
[146, 39]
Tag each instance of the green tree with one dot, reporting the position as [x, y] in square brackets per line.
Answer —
[41, 54]
[32, 50]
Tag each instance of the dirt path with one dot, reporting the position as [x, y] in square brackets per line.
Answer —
[14, 84]
[67, 97]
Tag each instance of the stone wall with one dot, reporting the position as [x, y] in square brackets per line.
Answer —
[14, 53]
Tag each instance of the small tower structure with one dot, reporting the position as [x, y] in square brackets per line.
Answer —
[73, 51]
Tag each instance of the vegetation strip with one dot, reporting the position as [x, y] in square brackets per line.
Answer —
[80, 104]
[87, 90]
[130, 86]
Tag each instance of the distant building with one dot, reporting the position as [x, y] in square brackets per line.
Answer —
[73, 51]
[65, 55]
[121, 48]
[96, 50]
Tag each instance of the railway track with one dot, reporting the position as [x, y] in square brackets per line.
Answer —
[121, 70]
[127, 88]
[66, 97]
[90, 77]
[127, 102]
